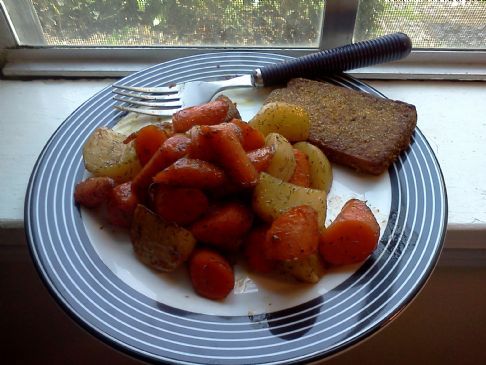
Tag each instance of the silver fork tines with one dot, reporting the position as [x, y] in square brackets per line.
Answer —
[146, 96]
[154, 90]
[153, 104]
[147, 111]
[165, 101]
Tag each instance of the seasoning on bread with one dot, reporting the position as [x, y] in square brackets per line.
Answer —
[352, 128]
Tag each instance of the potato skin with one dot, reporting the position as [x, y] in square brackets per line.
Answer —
[291, 121]
[272, 197]
[161, 245]
[282, 165]
[320, 167]
[105, 154]
[307, 270]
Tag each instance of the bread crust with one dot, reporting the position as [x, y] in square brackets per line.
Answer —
[352, 128]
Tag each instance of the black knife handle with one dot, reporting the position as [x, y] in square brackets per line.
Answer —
[388, 48]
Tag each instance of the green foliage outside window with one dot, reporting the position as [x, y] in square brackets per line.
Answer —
[181, 22]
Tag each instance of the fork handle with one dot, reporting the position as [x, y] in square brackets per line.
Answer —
[388, 48]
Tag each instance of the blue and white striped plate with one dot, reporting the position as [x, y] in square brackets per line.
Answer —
[91, 270]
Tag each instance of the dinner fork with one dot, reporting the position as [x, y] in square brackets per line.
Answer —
[164, 101]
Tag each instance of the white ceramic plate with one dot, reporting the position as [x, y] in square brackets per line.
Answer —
[90, 268]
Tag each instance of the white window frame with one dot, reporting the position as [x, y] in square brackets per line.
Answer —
[338, 27]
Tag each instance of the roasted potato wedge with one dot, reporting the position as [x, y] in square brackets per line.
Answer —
[308, 269]
[272, 197]
[283, 162]
[291, 121]
[162, 245]
[320, 167]
[105, 154]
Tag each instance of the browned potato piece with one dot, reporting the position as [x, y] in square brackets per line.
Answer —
[161, 245]
[272, 197]
[105, 154]
[308, 269]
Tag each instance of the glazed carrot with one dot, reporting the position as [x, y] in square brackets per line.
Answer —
[121, 205]
[176, 146]
[352, 236]
[211, 275]
[251, 138]
[230, 154]
[224, 225]
[200, 146]
[293, 235]
[254, 245]
[170, 151]
[93, 191]
[261, 157]
[192, 173]
[165, 126]
[148, 141]
[214, 112]
[301, 174]
[179, 205]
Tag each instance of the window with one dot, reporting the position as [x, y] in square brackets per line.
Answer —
[71, 32]
[431, 24]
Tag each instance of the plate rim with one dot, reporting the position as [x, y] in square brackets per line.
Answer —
[138, 353]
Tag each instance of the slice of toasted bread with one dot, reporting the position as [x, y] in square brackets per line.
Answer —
[352, 128]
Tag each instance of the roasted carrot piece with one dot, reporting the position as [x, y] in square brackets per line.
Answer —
[93, 191]
[200, 146]
[352, 236]
[230, 154]
[121, 205]
[301, 174]
[179, 205]
[193, 173]
[251, 138]
[211, 275]
[214, 112]
[176, 146]
[148, 141]
[170, 151]
[166, 126]
[253, 249]
[293, 235]
[224, 225]
[261, 157]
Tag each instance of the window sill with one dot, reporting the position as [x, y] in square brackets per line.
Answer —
[119, 62]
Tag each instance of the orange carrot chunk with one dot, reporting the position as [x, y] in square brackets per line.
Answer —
[261, 157]
[192, 173]
[224, 225]
[200, 147]
[211, 275]
[214, 112]
[176, 146]
[148, 141]
[301, 174]
[254, 245]
[179, 205]
[251, 138]
[293, 235]
[170, 151]
[93, 191]
[352, 236]
[121, 205]
[230, 154]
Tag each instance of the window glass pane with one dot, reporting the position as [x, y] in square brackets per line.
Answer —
[181, 22]
[429, 23]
